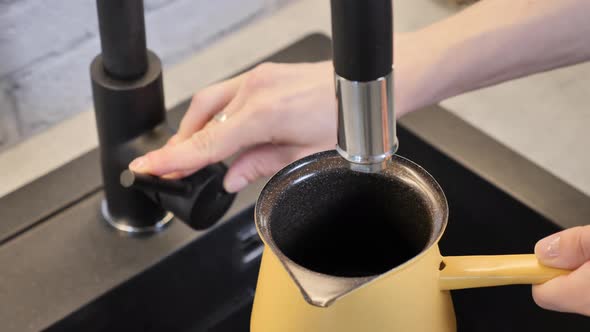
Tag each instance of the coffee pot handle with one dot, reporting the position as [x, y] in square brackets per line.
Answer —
[460, 272]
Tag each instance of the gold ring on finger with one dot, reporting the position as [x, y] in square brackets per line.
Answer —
[220, 117]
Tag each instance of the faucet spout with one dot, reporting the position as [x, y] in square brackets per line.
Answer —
[366, 122]
[362, 33]
[122, 38]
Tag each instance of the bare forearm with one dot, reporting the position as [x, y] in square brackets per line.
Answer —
[491, 42]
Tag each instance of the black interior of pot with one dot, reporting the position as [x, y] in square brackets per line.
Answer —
[345, 223]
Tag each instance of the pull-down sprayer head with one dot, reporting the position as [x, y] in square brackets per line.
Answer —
[362, 33]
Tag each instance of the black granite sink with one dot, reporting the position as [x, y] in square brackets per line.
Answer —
[63, 269]
[206, 286]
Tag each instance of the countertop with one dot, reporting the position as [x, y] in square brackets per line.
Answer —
[543, 117]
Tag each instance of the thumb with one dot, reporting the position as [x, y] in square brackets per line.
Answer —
[568, 249]
[260, 161]
[568, 293]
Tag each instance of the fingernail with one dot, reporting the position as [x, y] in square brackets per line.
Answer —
[172, 176]
[236, 184]
[550, 246]
[139, 165]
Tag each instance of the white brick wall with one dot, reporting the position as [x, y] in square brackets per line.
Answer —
[46, 47]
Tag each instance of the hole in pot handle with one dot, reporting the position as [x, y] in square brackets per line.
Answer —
[460, 272]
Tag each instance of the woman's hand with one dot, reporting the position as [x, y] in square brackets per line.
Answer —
[569, 249]
[273, 114]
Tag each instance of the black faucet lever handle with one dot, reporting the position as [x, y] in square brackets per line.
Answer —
[199, 199]
[130, 179]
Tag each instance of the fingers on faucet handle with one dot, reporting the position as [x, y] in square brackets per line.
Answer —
[130, 179]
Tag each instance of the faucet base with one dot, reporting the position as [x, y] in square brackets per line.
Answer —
[123, 226]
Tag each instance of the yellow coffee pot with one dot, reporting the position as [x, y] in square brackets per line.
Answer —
[347, 251]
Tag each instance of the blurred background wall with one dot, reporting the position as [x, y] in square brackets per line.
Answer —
[46, 48]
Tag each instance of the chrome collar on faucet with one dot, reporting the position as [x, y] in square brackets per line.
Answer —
[366, 122]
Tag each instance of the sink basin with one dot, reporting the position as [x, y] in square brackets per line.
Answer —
[206, 286]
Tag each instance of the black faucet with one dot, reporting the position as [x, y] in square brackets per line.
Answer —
[131, 121]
